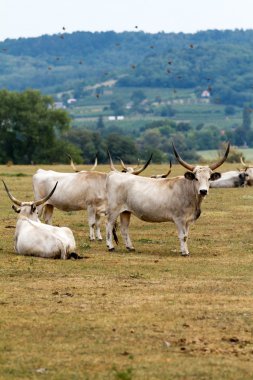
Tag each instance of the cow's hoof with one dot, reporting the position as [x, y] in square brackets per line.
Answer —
[74, 256]
[185, 254]
[100, 240]
[130, 249]
[111, 249]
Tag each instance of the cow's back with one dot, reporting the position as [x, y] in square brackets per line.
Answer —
[75, 191]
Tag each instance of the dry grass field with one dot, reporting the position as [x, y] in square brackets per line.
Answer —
[151, 314]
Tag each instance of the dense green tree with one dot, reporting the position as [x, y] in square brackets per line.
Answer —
[246, 118]
[117, 107]
[100, 124]
[123, 147]
[30, 128]
[137, 97]
[90, 143]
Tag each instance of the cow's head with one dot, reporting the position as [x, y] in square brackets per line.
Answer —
[137, 170]
[202, 175]
[248, 169]
[28, 209]
[243, 178]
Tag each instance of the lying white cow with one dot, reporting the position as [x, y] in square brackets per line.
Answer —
[233, 178]
[33, 238]
[159, 200]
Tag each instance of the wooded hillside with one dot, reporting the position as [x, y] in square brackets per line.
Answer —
[220, 61]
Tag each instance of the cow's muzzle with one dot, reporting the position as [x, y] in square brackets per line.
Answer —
[203, 192]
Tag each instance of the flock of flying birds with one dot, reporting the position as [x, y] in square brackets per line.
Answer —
[133, 66]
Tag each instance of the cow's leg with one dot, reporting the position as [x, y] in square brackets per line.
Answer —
[64, 253]
[124, 224]
[110, 226]
[91, 221]
[183, 229]
[98, 232]
[48, 213]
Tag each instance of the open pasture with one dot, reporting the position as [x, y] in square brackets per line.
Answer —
[151, 314]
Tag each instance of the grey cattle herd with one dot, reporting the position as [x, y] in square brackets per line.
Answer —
[154, 199]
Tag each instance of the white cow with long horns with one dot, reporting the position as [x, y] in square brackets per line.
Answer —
[159, 200]
[84, 190]
[33, 238]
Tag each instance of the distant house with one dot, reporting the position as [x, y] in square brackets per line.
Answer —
[120, 117]
[205, 94]
[71, 100]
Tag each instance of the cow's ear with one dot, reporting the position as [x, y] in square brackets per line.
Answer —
[215, 176]
[189, 175]
[16, 209]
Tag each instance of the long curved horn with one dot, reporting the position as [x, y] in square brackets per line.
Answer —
[168, 172]
[162, 175]
[138, 171]
[111, 163]
[14, 200]
[95, 164]
[182, 162]
[72, 163]
[43, 200]
[243, 163]
[123, 165]
[220, 162]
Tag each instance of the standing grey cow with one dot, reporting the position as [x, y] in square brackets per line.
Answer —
[84, 190]
[159, 200]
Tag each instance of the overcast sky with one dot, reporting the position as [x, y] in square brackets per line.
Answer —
[32, 18]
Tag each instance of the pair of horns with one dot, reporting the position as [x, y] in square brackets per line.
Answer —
[36, 203]
[135, 171]
[192, 167]
[125, 168]
[74, 166]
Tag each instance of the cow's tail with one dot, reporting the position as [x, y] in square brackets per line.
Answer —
[115, 233]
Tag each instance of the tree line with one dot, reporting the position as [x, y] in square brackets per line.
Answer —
[33, 131]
